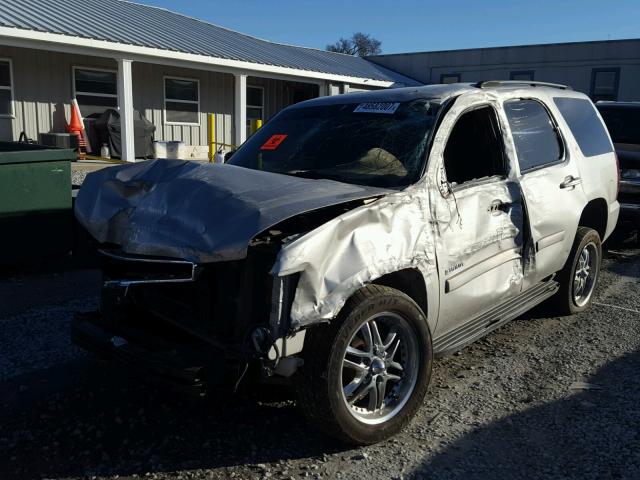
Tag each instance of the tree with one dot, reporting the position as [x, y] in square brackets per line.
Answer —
[360, 44]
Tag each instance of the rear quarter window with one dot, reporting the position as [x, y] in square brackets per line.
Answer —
[586, 127]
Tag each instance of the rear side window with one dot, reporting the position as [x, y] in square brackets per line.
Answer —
[534, 134]
[586, 127]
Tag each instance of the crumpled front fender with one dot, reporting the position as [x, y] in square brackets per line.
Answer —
[339, 257]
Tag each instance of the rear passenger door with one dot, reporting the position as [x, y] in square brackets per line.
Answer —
[551, 186]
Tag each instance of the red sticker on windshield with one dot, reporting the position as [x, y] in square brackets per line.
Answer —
[273, 142]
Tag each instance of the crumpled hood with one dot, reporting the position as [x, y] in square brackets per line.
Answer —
[198, 212]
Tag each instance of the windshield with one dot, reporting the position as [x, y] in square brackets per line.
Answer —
[376, 144]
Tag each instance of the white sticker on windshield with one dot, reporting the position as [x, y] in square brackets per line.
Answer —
[377, 107]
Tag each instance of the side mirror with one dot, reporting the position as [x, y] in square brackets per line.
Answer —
[228, 155]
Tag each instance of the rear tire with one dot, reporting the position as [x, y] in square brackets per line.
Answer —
[580, 274]
[369, 392]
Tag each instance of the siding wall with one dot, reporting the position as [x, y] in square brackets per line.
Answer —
[216, 96]
[279, 94]
[570, 64]
[43, 89]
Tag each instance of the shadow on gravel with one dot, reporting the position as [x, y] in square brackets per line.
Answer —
[591, 433]
[90, 418]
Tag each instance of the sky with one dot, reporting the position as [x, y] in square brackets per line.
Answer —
[414, 25]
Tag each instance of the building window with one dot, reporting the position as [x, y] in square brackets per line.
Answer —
[604, 84]
[96, 90]
[181, 101]
[6, 89]
[255, 106]
[522, 76]
[450, 78]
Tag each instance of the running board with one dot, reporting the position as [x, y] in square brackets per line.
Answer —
[495, 318]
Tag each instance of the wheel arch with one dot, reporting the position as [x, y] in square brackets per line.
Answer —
[595, 216]
[409, 281]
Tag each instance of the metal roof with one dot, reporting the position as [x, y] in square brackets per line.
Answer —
[124, 22]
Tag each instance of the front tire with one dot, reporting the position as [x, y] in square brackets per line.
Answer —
[366, 373]
[580, 274]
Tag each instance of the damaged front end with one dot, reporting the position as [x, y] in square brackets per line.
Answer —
[192, 321]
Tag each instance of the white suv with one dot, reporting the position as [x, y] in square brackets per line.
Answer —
[351, 239]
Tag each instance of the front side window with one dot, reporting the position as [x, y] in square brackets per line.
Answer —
[604, 84]
[181, 101]
[474, 149]
[534, 134]
[586, 127]
[95, 90]
[6, 89]
[379, 144]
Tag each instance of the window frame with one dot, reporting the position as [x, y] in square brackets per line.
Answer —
[89, 94]
[522, 72]
[594, 73]
[261, 107]
[484, 180]
[564, 158]
[452, 74]
[10, 88]
[190, 102]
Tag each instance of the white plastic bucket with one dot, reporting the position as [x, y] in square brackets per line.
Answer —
[171, 149]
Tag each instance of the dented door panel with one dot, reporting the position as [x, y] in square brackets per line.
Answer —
[479, 249]
[555, 214]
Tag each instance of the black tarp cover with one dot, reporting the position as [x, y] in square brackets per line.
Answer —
[107, 130]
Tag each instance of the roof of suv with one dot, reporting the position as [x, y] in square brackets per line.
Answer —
[435, 92]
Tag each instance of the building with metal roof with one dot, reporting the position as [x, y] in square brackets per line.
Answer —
[603, 69]
[172, 68]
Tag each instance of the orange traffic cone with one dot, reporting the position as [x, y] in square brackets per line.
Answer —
[76, 127]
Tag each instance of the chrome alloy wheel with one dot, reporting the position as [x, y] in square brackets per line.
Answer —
[584, 276]
[380, 368]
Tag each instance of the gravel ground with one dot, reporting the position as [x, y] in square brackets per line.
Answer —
[540, 398]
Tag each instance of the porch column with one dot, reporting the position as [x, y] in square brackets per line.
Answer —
[240, 108]
[125, 104]
[322, 89]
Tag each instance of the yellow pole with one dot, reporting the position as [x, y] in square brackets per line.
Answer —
[211, 135]
[256, 123]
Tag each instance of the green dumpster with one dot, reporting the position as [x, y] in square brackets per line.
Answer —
[35, 202]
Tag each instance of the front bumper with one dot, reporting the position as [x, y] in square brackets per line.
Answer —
[182, 370]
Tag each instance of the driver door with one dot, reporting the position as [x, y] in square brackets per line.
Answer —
[478, 215]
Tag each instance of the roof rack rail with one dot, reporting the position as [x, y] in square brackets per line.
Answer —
[510, 83]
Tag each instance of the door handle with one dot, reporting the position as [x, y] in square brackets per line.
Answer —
[570, 182]
[498, 206]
